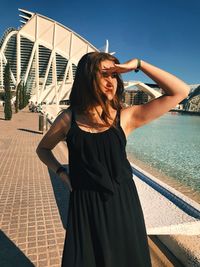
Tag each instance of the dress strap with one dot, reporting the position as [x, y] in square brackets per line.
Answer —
[118, 118]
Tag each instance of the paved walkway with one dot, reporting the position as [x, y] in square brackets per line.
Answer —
[33, 202]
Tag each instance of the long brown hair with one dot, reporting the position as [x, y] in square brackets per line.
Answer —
[86, 93]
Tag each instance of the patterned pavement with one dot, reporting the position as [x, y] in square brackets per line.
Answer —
[33, 201]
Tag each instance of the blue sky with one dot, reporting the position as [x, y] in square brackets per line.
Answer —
[164, 33]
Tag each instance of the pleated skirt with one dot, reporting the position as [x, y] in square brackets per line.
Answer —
[106, 233]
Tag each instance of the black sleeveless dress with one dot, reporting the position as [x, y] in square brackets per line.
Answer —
[105, 226]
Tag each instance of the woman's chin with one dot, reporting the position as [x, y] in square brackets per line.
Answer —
[109, 96]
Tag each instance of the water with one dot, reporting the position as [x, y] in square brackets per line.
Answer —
[171, 145]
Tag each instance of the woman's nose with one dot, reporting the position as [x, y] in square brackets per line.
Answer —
[109, 81]
[109, 78]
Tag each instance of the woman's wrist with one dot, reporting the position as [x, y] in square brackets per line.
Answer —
[60, 170]
[138, 65]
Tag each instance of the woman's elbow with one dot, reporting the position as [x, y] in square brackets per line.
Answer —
[183, 92]
[186, 91]
[37, 150]
[40, 150]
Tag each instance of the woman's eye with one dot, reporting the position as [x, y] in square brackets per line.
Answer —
[114, 75]
[104, 74]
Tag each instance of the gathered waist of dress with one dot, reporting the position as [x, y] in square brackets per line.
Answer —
[93, 186]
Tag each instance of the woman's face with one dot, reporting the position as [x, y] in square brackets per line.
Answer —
[107, 79]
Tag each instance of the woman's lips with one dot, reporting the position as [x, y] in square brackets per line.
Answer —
[108, 89]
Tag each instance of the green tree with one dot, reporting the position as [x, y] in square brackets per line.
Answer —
[7, 105]
[17, 97]
[25, 96]
[21, 98]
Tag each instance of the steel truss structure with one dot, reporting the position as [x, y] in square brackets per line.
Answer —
[43, 54]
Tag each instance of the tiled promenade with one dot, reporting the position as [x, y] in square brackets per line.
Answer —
[33, 202]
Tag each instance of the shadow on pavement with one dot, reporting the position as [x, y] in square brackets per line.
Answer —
[62, 195]
[11, 255]
[30, 131]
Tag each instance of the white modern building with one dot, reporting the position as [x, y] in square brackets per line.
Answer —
[43, 54]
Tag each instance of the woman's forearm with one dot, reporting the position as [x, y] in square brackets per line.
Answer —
[168, 82]
[47, 157]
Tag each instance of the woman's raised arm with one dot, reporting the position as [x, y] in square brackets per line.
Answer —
[175, 91]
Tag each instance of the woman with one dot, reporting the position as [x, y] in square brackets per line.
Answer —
[105, 225]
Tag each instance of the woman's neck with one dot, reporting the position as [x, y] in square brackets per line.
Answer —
[95, 111]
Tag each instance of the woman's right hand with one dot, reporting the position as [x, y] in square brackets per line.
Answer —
[65, 178]
[125, 67]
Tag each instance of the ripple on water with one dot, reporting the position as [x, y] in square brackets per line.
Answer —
[171, 145]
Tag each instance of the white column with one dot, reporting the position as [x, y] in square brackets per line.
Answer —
[54, 67]
[18, 59]
[1, 66]
[37, 60]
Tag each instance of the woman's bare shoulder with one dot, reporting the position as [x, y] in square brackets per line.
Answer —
[65, 115]
[58, 130]
[62, 122]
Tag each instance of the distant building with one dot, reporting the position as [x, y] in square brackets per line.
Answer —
[133, 97]
[136, 96]
[156, 87]
[129, 97]
[192, 103]
[193, 87]
[141, 98]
